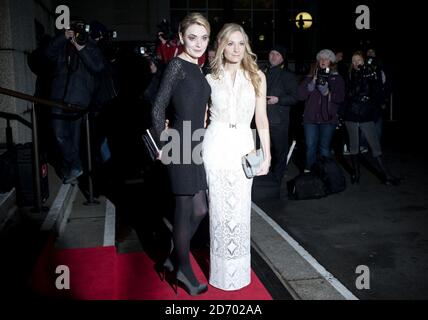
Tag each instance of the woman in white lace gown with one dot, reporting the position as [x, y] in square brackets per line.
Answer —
[238, 91]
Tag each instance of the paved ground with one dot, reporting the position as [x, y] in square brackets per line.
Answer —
[382, 227]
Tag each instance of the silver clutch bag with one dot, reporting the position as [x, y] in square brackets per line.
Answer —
[251, 163]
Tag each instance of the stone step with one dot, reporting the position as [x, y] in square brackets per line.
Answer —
[8, 207]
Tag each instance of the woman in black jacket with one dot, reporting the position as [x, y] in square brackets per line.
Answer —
[361, 109]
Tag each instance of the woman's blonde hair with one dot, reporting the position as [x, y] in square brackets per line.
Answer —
[249, 62]
[191, 19]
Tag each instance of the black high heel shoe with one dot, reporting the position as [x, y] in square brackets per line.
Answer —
[168, 265]
[165, 267]
[191, 289]
[355, 175]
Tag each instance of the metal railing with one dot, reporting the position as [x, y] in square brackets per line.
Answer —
[35, 136]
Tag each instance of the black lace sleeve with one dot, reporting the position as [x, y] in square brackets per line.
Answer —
[173, 74]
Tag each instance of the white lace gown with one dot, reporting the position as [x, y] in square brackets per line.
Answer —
[227, 138]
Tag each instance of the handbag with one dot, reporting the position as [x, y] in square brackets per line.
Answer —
[251, 163]
[151, 146]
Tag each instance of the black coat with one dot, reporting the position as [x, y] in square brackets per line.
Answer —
[74, 78]
[364, 96]
[282, 84]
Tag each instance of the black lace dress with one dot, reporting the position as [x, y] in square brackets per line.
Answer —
[185, 89]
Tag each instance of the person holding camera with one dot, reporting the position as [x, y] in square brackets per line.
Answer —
[323, 92]
[378, 67]
[361, 110]
[167, 48]
[77, 61]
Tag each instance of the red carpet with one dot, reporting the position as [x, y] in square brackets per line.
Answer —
[102, 274]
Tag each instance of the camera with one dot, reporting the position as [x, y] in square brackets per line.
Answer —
[81, 32]
[372, 62]
[110, 35]
[367, 71]
[322, 76]
[148, 51]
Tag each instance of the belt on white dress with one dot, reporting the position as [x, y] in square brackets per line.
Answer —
[230, 125]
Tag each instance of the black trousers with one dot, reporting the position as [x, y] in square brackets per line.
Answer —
[279, 147]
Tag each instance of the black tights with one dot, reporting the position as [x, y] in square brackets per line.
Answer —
[189, 212]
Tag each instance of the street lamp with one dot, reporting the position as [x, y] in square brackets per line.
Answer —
[303, 20]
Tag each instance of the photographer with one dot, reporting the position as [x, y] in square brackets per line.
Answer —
[77, 61]
[167, 48]
[105, 92]
[361, 110]
[323, 92]
[377, 65]
[106, 81]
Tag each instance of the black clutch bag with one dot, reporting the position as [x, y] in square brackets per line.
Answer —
[152, 148]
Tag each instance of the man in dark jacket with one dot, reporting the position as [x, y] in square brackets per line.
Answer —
[74, 82]
[281, 95]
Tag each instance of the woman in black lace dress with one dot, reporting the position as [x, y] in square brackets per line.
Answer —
[184, 87]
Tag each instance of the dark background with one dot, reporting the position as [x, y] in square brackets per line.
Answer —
[396, 31]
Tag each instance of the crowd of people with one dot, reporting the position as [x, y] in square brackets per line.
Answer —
[219, 89]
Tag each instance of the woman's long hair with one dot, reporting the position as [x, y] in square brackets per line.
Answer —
[248, 63]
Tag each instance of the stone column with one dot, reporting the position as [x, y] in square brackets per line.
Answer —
[16, 41]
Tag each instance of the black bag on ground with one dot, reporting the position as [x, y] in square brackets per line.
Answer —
[331, 174]
[307, 186]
